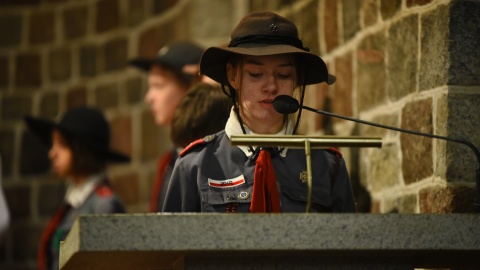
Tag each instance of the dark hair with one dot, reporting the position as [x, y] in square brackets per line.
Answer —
[86, 161]
[203, 111]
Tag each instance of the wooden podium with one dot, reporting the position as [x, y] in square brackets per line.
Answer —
[272, 241]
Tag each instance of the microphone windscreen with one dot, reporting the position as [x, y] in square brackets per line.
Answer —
[285, 104]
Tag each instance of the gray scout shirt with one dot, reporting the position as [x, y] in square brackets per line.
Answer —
[94, 197]
[214, 176]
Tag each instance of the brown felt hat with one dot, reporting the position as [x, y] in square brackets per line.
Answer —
[259, 34]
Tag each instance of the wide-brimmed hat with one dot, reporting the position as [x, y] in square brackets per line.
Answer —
[87, 125]
[175, 57]
[264, 33]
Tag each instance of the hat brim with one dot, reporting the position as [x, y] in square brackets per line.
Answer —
[214, 61]
[43, 128]
[146, 64]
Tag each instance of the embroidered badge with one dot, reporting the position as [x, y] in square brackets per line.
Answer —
[304, 177]
[243, 195]
[228, 183]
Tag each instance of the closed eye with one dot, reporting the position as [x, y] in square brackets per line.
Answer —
[254, 75]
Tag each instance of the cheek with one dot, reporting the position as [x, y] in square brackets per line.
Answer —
[65, 157]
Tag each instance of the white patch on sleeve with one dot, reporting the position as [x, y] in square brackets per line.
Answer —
[228, 183]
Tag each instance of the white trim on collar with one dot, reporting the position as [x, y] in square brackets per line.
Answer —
[77, 195]
[233, 127]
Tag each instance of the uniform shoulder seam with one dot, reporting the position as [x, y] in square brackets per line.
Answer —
[196, 143]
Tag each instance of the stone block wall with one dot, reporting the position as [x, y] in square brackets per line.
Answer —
[406, 63]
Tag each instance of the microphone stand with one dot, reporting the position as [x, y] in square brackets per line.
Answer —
[306, 142]
[476, 203]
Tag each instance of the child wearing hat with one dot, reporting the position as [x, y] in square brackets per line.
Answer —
[170, 74]
[79, 153]
[265, 59]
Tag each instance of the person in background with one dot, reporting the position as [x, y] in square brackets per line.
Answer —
[4, 212]
[265, 59]
[203, 111]
[170, 74]
[79, 153]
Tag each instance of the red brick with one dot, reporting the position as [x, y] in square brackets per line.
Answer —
[16, 106]
[151, 41]
[109, 17]
[27, 72]
[330, 25]
[322, 103]
[449, 199]
[60, 64]
[107, 96]
[121, 134]
[369, 8]
[11, 29]
[127, 186]
[417, 159]
[75, 22]
[4, 71]
[115, 53]
[42, 27]
[76, 97]
[389, 8]
[342, 96]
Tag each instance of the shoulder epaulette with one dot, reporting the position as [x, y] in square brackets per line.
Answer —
[193, 144]
[334, 150]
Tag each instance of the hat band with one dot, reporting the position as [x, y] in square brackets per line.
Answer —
[268, 40]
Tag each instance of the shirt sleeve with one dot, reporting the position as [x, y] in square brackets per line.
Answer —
[182, 193]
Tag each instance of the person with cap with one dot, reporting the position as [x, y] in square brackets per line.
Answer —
[79, 153]
[170, 74]
[265, 59]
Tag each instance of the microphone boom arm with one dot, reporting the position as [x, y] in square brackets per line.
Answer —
[462, 141]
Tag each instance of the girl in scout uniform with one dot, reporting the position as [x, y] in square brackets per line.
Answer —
[170, 74]
[79, 152]
[265, 59]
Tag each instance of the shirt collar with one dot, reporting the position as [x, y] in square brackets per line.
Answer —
[77, 195]
[233, 128]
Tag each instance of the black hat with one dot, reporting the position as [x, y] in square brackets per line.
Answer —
[173, 56]
[264, 33]
[87, 125]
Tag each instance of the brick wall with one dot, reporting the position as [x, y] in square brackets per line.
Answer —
[406, 63]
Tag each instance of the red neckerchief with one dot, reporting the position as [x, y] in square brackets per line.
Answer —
[157, 186]
[265, 197]
[43, 251]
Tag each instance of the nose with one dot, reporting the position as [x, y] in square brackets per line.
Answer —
[147, 99]
[271, 86]
[51, 153]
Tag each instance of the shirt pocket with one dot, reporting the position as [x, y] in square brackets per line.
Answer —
[321, 199]
[215, 199]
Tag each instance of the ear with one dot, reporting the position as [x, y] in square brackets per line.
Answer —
[232, 76]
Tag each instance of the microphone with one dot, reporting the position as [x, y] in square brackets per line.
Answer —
[286, 105]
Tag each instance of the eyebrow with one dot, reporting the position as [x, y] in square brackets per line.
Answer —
[254, 62]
